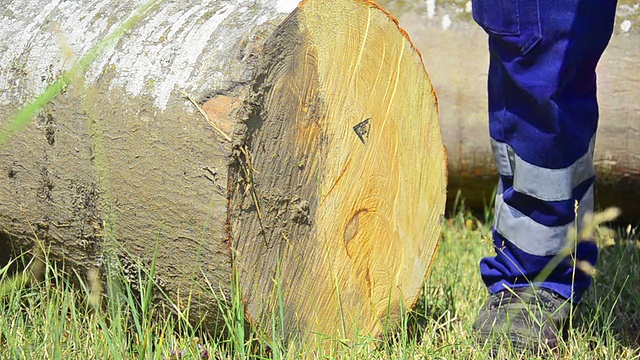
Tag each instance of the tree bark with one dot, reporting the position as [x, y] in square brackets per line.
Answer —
[121, 162]
[318, 179]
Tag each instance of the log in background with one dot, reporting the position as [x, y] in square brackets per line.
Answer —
[456, 56]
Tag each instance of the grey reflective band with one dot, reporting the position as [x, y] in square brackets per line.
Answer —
[501, 152]
[532, 237]
[542, 183]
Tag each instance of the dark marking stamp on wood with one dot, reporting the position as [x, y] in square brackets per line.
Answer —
[362, 130]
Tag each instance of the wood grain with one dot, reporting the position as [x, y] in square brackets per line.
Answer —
[349, 172]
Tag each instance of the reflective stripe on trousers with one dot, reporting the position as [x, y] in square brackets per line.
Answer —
[559, 188]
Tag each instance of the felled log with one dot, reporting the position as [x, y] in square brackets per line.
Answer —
[458, 62]
[317, 178]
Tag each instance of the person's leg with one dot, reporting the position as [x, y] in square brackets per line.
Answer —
[542, 117]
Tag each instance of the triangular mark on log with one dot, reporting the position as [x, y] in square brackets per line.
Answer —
[362, 130]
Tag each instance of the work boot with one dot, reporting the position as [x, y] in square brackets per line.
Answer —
[530, 319]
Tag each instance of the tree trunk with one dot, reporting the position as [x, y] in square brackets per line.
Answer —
[461, 85]
[318, 179]
[122, 162]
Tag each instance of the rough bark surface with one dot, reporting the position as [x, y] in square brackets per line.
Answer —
[121, 162]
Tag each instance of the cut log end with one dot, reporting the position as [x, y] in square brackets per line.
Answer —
[344, 175]
[331, 198]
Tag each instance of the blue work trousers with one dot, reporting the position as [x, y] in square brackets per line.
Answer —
[543, 116]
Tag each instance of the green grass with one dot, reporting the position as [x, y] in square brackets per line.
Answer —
[55, 319]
